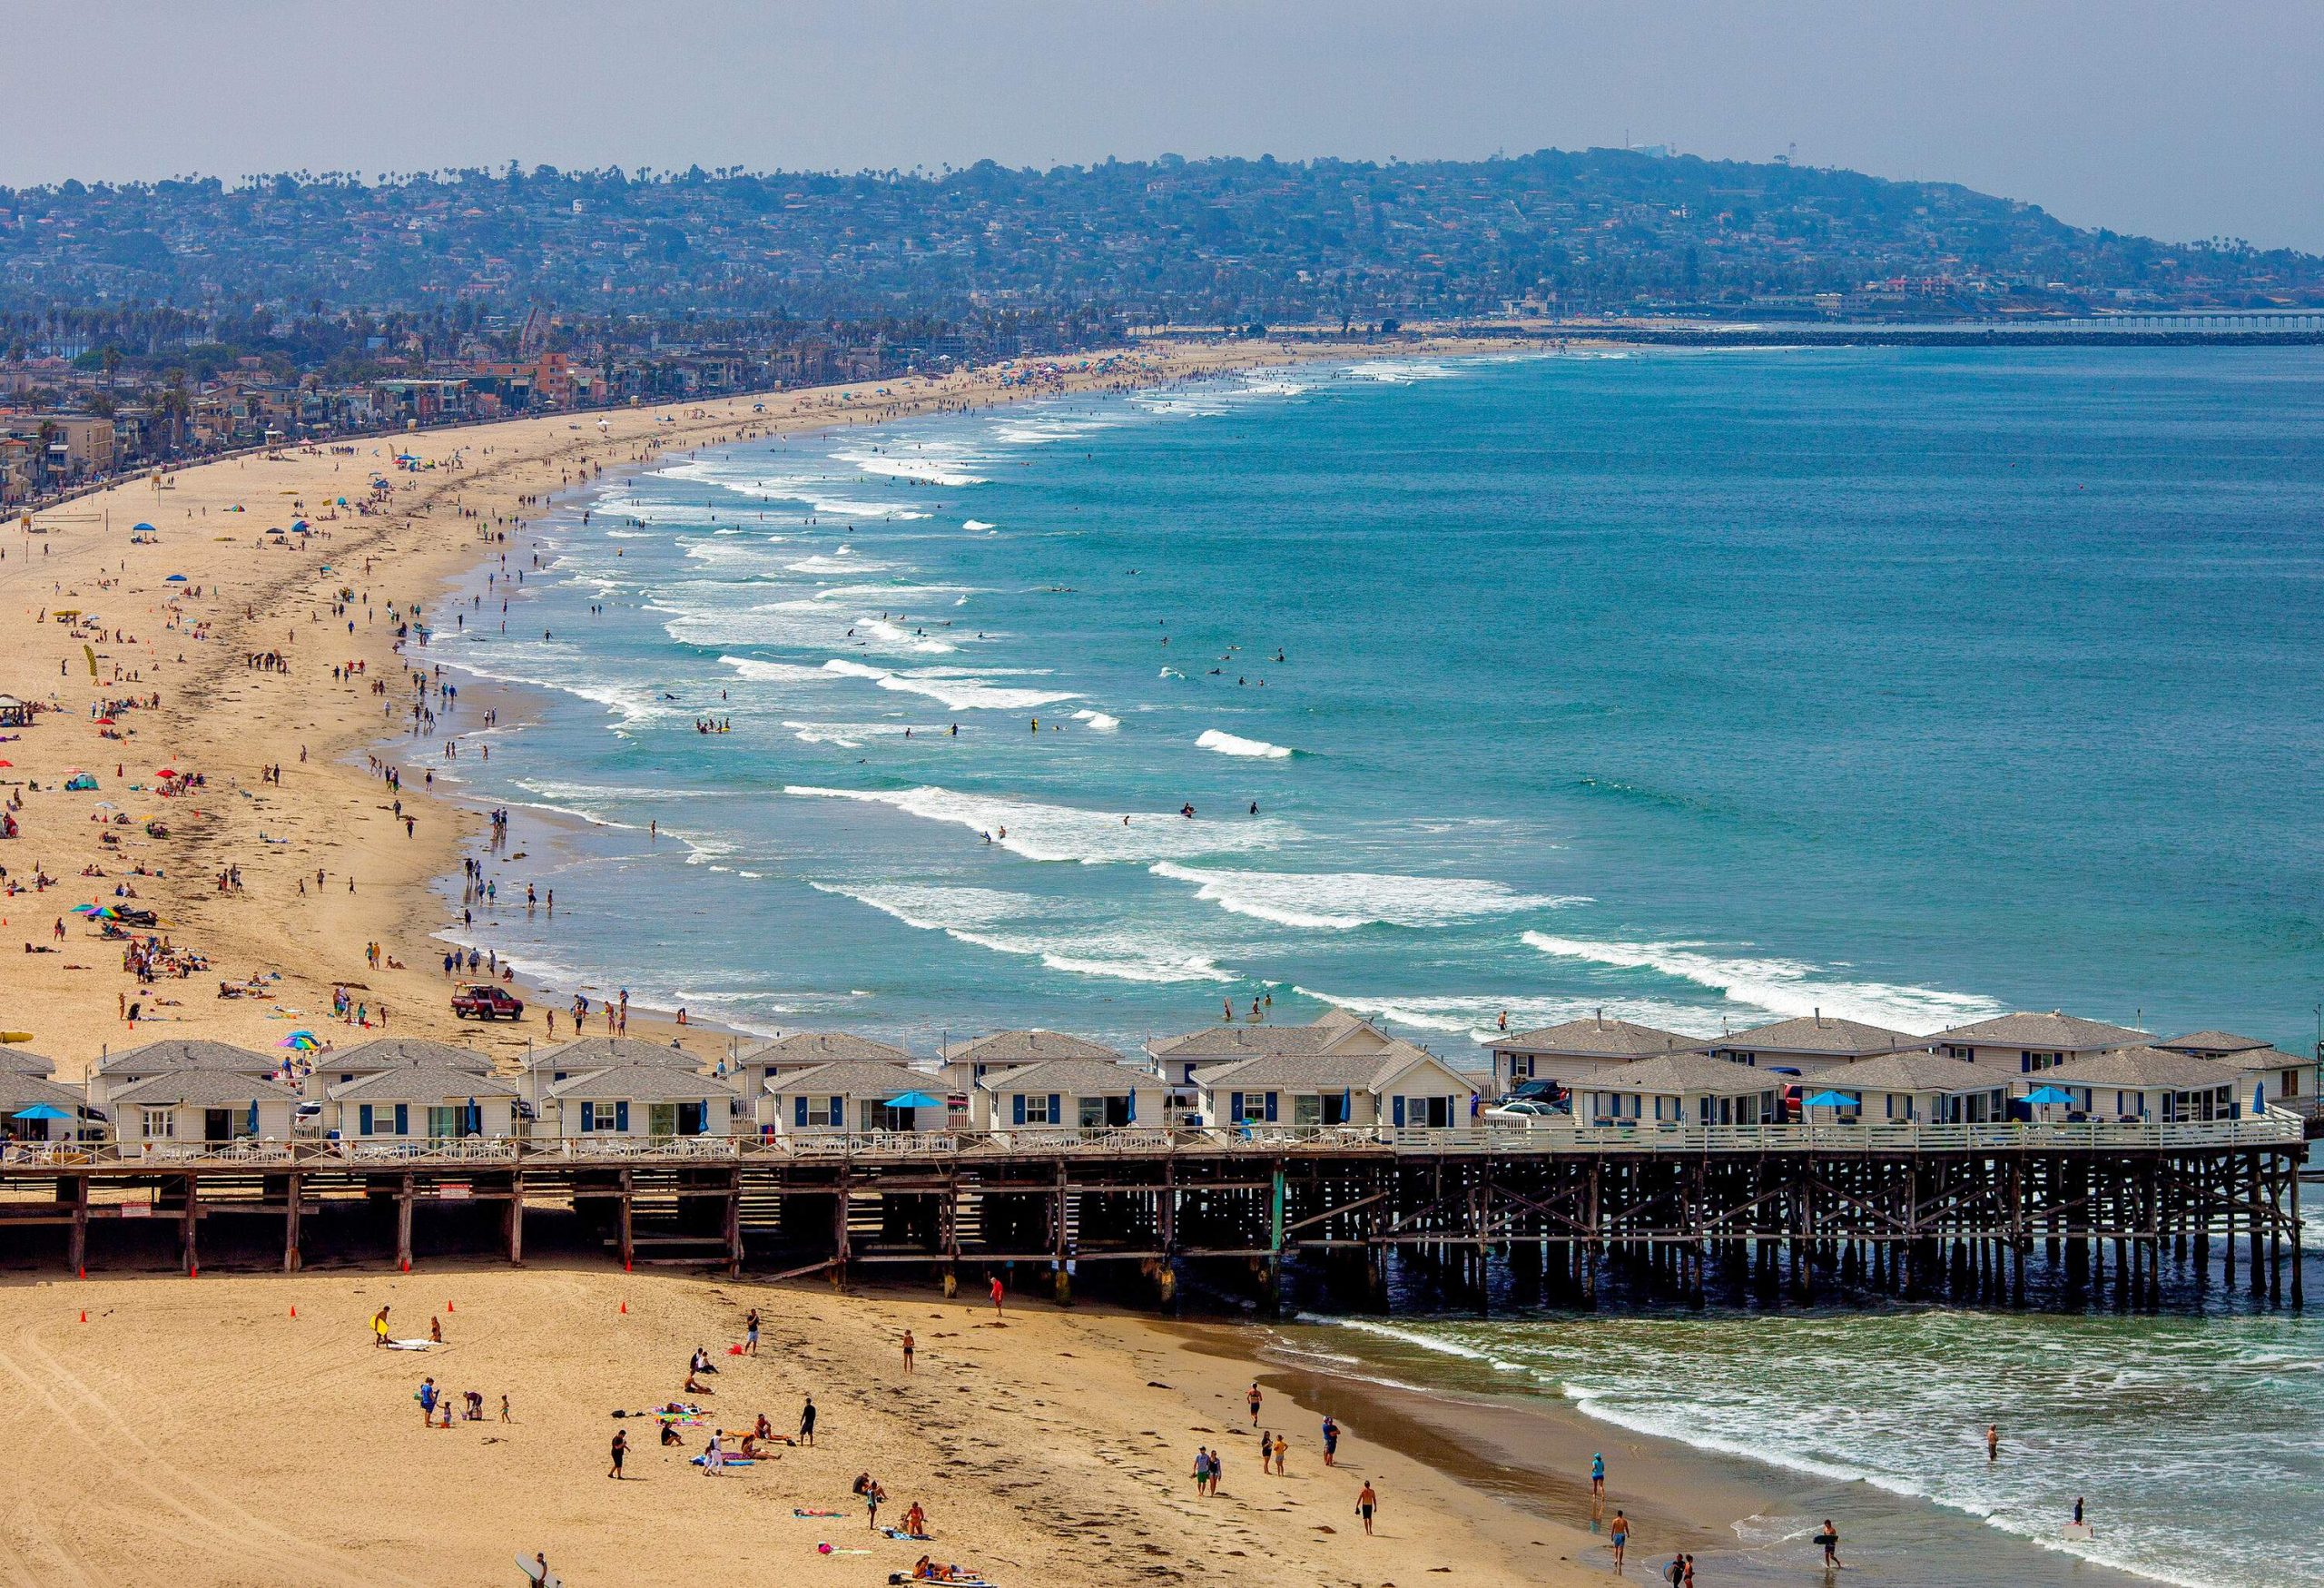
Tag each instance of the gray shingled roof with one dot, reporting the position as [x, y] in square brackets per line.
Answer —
[2051, 1032]
[1073, 1075]
[1683, 1073]
[823, 1048]
[187, 1053]
[1816, 1034]
[1322, 1072]
[599, 1052]
[21, 1091]
[856, 1078]
[1911, 1072]
[429, 1083]
[2142, 1068]
[1027, 1047]
[644, 1083]
[24, 1061]
[201, 1089]
[1595, 1039]
[2262, 1058]
[2207, 1044]
[1226, 1043]
[394, 1053]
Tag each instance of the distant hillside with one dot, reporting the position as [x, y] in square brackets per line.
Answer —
[1183, 241]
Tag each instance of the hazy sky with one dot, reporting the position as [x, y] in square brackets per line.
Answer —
[2178, 120]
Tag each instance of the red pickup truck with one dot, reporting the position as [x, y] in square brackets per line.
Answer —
[482, 1001]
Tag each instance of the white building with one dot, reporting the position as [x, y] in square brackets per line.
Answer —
[1567, 1053]
[2026, 1042]
[423, 1103]
[1405, 1086]
[855, 1097]
[198, 1108]
[752, 1070]
[1066, 1094]
[1677, 1089]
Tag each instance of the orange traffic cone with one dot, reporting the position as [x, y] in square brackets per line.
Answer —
[84, 1315]
[624, 1307]
[447, 1306]
[294, 1312]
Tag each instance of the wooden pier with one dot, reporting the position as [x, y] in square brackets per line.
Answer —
[1566, 1217]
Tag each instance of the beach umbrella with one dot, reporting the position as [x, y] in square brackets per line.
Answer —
[914, 1099]
[147, 528]
[84, 909]
[175, 579]
[475, 1118]
[1831, 1100]
[41, 1112]
[2258, 1098]
[304, 1040]
[2049, 1094]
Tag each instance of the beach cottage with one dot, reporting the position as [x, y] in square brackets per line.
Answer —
[335, 1067]
[1336, 1033]
[1567, 1053]
[115, 1071]
[2283, 1080]
[855, 1097]
[1677, 1089]
[200, 1108]
[1907, 1089]
[966, 1063]
[34, 1108]
[1404, 1086]
[423, 1101]
[2026, 1042]
[768, 1062]
[651, 1100]
[2131, 1084]
[1807, 1043]
[545, 1068]
[1066, 1094]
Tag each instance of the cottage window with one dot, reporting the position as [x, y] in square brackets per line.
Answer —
[1036, 1108]
[1092, 1113]
[662, 1119]
[1307, 1108]
[444, 1122]
[161, 1124]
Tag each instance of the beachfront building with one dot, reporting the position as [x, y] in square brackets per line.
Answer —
[2284, 1081]
[1405, 1086]
[547, 1069]
[855, 1097]
[1335, 1034]
[966, 1063]
[1066, 1094]
[1570, 1052]
[1677, 1089]
[422, 1101]
[337, 1067]
[1807, 1043]
[2133, 1084]
[196, 1108]
[652, 1100]
[1906, 1088]
[2027, 1041]
[34, 1108]
[750, 1072]
[116, 1072]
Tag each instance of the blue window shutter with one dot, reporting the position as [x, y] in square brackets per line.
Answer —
[403, 1118]
[1400, 1112]
[621, 1116]
[799, 1109]
[1234, 1108]
[835, 1113]
[363, 1119]
[1270, 1108]
[1057, 1114]
[1017, 1107]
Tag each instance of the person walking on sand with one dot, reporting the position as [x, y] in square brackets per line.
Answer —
[621, 1449]
[751, 1333]
[1331, 1441]
[996, 1295]
[1598, 1475]
[1253, 1397]
[807, 1422]
[1830, 1539]
[1366, 1502]
[908, 1348]
[1676, 1572]
[1619, 1532]
[379, 1327]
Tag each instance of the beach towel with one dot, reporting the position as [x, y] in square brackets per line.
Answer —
[915, 1537]
[729, 1461]
[409, 1345]
[826, 1549]
[814, 1515]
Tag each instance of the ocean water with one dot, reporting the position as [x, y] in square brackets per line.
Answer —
[2194, 1440]
[1701, 688]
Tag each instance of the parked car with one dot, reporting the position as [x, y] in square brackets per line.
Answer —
[1529, 1114]
[483, 1001]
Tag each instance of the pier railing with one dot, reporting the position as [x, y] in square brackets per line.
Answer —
[2276, 1128]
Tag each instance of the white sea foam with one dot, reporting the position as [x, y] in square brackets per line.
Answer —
[851, 736]
[1781, 987]
[977, 525]
[946, 467]
[949, 685]
[1070, 832]
[1097, 720]
[1398, 371]
[842, 561]
[1344, 900]
[1015, 924]
[761, 672]
[1228, 744]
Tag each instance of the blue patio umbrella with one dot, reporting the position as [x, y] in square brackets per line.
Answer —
[914, 1099]
[475, 1118]
[42, 1111]
[1832, 1099]
[2049, 1094]
[142, 528]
